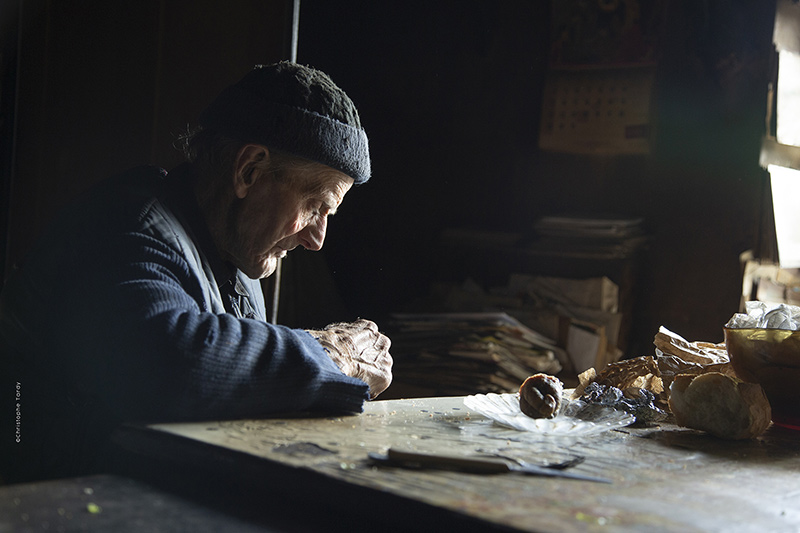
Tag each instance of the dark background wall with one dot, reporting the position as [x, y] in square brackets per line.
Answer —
[450, 94]
[96, 87]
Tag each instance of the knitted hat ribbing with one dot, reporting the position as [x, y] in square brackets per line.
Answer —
[298, 110]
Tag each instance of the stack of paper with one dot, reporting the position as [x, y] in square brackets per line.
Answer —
[585, 226]
[449, 354]
[588, 237]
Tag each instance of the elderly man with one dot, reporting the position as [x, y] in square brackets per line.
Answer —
[141, 302]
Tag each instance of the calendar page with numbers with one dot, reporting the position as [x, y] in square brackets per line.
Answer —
[598, 92]
[598, 110]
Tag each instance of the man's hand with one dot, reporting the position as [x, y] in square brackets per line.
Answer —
[360, 351]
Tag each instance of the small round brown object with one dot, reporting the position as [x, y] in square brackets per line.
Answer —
[540, 396]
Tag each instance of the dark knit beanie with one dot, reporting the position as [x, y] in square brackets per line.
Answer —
[295, 109]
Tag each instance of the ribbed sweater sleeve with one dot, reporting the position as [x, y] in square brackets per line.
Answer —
[109, 320]
[110, 307]
[199, 364]
[214, 365]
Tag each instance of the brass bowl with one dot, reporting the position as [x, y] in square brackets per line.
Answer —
[771, 358]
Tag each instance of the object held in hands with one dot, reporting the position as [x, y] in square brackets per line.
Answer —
[360, 350]
[540, 396]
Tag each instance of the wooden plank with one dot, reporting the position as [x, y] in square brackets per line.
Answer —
[665, 478]
[108, 503]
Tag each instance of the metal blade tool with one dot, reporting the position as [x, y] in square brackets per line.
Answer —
[474, 465]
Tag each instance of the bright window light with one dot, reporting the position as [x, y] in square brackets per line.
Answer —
[787, 121]
[786, 205]
[785, 182]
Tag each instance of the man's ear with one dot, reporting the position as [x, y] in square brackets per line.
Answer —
[247, 167]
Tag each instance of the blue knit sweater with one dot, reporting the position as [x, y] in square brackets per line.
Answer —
[119, 313]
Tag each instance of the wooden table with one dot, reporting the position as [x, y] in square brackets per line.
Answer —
[664, 478]
[103, 503]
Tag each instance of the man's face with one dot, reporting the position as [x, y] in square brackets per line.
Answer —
[277, 215]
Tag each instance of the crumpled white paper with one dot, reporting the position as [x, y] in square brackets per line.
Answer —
[575, 418]
[763, 315]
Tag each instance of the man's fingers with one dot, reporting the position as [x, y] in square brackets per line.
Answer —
[378, 384]
[366, 324]
[363, 338]
[362, 351]
[383, 343]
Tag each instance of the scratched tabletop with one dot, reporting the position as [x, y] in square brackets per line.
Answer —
[663, 478]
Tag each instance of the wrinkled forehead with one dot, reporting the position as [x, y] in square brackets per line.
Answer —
[319, 181]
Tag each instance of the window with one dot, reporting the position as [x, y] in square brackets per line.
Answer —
[780, 152]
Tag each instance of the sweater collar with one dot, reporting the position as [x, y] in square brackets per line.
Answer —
[181, 199]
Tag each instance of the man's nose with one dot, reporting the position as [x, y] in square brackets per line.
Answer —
[313, 236]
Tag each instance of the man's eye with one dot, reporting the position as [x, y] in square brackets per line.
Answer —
[320, 208]
[316, 212]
